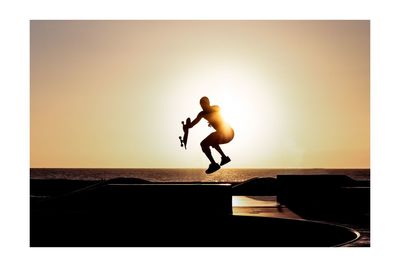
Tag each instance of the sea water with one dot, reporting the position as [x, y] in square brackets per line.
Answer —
[185, 175]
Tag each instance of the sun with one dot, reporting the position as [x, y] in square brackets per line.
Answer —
[246, 102]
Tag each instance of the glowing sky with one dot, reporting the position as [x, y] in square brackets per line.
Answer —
[113, 93]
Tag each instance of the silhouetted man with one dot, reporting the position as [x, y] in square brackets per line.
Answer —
[223, 133]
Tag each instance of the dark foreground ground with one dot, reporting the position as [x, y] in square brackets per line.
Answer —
[289, 211]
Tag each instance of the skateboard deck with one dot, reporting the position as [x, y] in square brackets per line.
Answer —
[185, 128]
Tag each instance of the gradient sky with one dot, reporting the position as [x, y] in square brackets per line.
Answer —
[113, 93]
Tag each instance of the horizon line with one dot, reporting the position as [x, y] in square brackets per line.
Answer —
[304, 168]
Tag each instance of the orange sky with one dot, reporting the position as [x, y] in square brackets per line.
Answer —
[113, 93]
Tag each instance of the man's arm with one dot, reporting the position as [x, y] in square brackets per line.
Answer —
[195, 121]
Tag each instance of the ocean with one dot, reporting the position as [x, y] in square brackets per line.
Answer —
[185, 175]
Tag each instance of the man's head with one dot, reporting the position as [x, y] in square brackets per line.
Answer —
[204, 103]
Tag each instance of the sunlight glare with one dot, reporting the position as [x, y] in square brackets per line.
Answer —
[244, 98]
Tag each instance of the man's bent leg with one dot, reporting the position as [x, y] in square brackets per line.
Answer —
[224, 158]
[218, 148]
[210, 140]
[207, 151]
[205, 146]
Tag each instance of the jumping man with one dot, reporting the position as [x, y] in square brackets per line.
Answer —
[223, 133]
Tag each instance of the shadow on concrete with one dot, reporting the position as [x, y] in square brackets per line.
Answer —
[335, 198]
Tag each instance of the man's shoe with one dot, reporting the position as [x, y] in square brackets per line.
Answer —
[212, 168]
[225, 160]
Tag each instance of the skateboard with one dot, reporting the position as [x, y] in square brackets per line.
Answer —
[185, 132]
